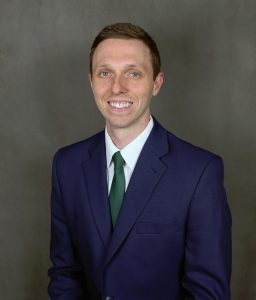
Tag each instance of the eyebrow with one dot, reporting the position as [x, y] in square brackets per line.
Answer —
[129, 66]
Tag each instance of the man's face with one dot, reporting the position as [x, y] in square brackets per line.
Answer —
[122, 83]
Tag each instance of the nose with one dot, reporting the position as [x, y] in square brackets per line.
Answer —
[119, 86]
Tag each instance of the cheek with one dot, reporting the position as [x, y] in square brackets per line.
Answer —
[140, 89]
[99, 90]
[146, 92]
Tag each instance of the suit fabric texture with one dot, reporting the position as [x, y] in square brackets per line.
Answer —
[172, 238]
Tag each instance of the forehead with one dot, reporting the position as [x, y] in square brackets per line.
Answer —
[127, 51]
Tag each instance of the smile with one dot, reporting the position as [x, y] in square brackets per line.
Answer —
[120, 104]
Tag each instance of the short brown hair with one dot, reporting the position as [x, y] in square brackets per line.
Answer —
[128, 31]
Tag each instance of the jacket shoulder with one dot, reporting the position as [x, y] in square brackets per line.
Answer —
[79, 150]
[189, 154]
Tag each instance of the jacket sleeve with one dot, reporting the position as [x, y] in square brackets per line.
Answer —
[208, 241]
[66, 273]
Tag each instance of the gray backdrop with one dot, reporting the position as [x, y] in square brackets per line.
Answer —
[208, 50]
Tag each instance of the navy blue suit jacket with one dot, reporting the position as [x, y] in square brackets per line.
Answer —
[172, 239]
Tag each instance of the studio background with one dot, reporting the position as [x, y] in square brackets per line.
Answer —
[208, 50]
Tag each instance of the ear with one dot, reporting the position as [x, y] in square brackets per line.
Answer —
[158, 83]
[90, 79]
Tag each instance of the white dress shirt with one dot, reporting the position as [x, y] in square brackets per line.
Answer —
[130, 154]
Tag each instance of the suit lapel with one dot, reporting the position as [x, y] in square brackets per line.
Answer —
[95, 177]
[147, 173]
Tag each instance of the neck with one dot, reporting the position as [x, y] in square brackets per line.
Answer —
[121, 137]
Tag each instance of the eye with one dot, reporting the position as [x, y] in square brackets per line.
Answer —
[135, 74]
[104, 74]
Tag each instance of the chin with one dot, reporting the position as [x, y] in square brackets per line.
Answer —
[119, 124]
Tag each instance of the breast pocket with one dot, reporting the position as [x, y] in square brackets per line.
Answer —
[156, 228]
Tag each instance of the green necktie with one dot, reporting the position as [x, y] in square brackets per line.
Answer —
[117, 187]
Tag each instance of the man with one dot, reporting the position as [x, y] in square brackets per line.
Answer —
[136, 212]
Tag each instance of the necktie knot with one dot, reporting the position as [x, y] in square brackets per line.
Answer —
[118, 160]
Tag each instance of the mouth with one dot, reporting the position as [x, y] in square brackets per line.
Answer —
[120, 104]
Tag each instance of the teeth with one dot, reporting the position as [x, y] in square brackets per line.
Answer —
[120, 104]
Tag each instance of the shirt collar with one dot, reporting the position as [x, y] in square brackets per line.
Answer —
[130, 152]
[110, 148]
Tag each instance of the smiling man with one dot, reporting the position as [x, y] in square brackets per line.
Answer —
[123, 82]
[137, 213]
